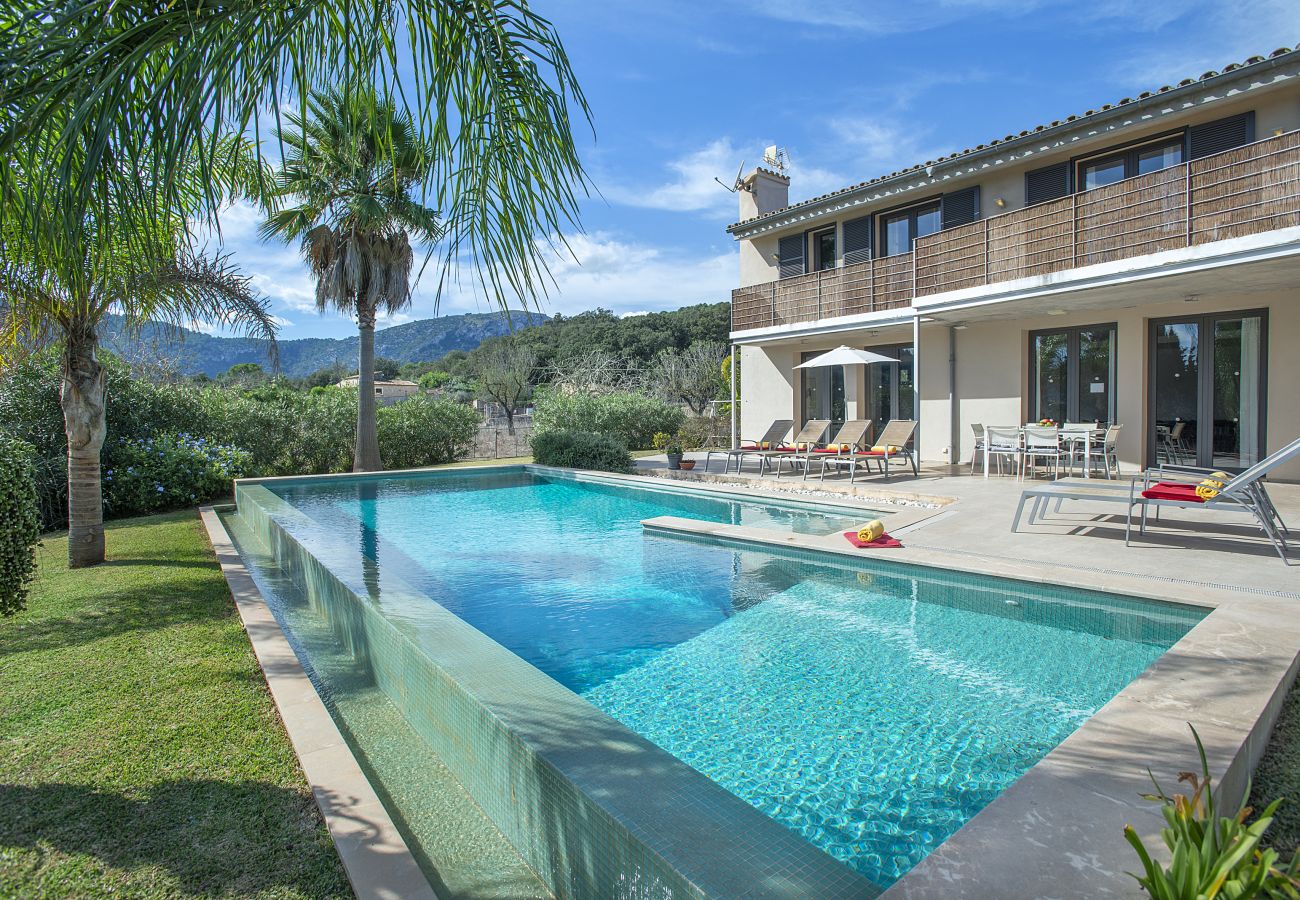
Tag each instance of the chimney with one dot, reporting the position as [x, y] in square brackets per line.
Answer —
[761, 192]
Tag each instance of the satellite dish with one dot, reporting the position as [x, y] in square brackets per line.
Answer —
[738, 184]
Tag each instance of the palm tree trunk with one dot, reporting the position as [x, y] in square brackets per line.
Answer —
[367, 455]
[82, 399]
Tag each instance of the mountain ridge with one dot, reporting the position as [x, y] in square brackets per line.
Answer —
[194, 352]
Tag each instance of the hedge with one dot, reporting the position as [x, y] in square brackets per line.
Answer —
[20, 523]
[581, 450]
[634, 419]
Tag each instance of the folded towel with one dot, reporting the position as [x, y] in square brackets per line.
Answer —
[871, 531]
[883, 541]
[1209, 488]
[890, 449]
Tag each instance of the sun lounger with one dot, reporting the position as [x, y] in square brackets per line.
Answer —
[771, 438]
[1242, 492]
[810, 435]
[848, 439]
[893, 440]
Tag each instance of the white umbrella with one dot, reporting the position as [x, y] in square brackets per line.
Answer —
[845, 356]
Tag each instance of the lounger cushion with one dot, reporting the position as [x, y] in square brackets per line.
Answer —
[883, 541]
[1172, 490]
[825, 450]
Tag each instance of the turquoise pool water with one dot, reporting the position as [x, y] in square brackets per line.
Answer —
[871, 708]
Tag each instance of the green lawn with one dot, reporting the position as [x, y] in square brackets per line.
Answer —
[140, 752]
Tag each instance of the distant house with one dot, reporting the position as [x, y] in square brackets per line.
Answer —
[386, 391]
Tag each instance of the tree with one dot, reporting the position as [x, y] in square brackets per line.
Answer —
[58, 287]
[349, 170]
[504, 370]
[692, 376]
[245, 375]
[390, 369]
[151, 85]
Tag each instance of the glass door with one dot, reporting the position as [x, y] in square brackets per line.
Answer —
[889, 386]
[1072, 374]
[1207, 390]
[823, 393]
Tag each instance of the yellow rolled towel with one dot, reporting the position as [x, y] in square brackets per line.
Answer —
[890, 449]
[1209, 489]
[871, 531]
[845, 448]
[765, 445]
[801, 446]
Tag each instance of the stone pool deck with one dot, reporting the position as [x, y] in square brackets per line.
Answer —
[1058, 831]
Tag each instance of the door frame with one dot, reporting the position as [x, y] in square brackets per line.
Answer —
[1205, 381]
[1072, 394]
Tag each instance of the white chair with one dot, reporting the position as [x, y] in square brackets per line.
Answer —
[1107, 452]
[979, 445]
[1042, 442]
[1074, 437]
[1002, 443]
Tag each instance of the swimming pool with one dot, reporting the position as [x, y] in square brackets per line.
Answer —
[870, 708]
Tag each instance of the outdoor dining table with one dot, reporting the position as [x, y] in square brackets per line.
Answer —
[1066, 436]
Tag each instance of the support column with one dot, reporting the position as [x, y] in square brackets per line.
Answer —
[855, 392]
[916, 380]
[734, 412]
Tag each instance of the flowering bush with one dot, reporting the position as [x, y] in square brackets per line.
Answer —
[170, 470]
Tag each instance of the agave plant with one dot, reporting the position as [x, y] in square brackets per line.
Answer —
[1212, 856]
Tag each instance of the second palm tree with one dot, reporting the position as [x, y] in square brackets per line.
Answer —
[345, 192]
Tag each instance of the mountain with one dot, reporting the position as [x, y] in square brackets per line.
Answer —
[419, 341]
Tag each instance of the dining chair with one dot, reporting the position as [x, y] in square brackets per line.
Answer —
[1074, 438]
[1107, 452]
[1002, 443]
[979, 445]
[1042, 442]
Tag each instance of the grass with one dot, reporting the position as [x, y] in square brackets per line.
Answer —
[140, 752]
[1278, 775]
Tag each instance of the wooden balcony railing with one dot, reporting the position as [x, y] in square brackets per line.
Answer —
[1245, 191]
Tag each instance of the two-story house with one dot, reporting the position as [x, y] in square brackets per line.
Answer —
[1138, 264]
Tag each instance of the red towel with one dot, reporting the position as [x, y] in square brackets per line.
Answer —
[883, 541]
[1172, 490]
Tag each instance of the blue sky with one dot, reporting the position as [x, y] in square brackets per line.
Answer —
[682, 92]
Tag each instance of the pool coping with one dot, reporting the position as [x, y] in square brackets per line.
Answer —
[1059, 827]
[376, 858]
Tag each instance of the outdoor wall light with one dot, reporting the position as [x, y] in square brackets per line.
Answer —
[1000, 203]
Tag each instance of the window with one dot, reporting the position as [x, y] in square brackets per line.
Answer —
[823, 392]
[1140, 160]
[1072, 374]
[824, 249]
[899, 229]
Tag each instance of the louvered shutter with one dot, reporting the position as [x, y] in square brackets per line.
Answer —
[1047, 183]
[857, 241]
[960, 207]
[790, 252]
[1220, 135]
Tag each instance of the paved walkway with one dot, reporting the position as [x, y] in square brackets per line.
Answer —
[1185, 546]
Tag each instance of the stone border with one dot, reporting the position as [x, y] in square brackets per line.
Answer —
[1058, 831]
[376, 858]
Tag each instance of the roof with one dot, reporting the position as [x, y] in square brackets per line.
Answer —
[1185, 84]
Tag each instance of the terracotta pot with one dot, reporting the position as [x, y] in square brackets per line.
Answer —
[687, 464]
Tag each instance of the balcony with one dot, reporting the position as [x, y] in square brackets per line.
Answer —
[1244, 191]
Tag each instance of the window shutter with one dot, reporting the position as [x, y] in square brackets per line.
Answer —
[1220, 135]
[790, 252]
[857, 241]
[960, 207]
[1047, 183]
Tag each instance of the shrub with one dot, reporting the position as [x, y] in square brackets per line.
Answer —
[169, 471]
[633, 419]
[421, 431]
[1212, 855]
[20, 523]
[581, 450]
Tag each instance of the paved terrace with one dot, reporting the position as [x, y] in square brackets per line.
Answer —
[1085, 539]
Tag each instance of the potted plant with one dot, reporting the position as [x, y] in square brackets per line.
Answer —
[671, 444]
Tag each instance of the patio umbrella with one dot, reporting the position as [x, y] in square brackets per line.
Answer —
[845, 356]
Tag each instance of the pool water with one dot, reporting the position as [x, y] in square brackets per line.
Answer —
[871, 708]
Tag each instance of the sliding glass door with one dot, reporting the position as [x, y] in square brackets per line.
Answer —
[1072, 374]
[1208, 390]
[889, 386]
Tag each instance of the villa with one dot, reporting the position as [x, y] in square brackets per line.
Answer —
[386, 391]
[1134, 264]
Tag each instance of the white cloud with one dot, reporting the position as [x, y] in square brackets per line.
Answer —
[879, 145]
[881, 17]
[617, 275]
[690, 186]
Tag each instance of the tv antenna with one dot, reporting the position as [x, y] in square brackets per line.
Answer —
[777, 159]
[738, 184]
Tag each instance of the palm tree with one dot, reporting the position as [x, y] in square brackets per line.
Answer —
[350, 168]
[490, 81]
[59, 286]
